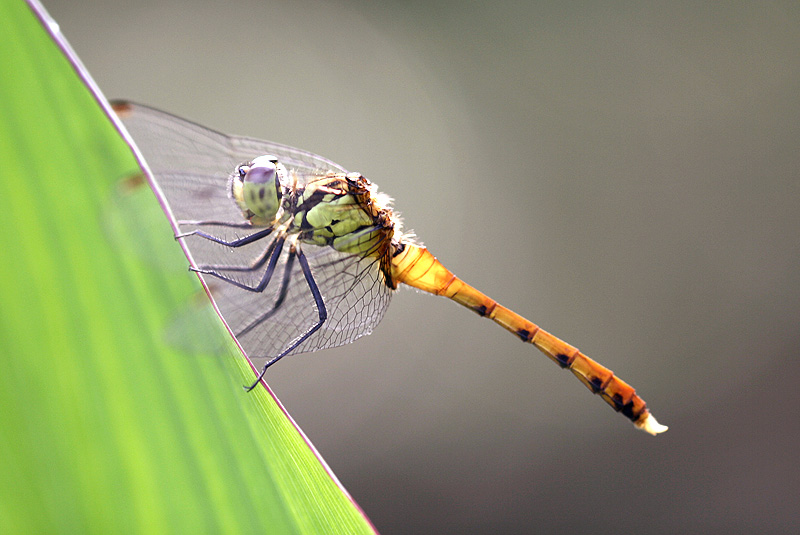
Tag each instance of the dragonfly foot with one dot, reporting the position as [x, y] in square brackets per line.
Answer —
[258, 380]
[251, 387]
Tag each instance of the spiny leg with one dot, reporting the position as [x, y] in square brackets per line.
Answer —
[235, 243]
[212, 269]
[287, 277]
[323, 315]
[258, 263]
[273, 253]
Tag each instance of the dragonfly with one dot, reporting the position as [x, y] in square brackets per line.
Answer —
[300, 254]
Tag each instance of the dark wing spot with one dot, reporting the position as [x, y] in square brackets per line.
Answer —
[122, 108]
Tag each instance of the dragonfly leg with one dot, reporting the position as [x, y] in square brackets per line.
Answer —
[234, 243]
[323, 315]
[287, 277]
[273, 253]
[258, 263]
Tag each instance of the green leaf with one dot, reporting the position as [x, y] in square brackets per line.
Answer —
[112, 419]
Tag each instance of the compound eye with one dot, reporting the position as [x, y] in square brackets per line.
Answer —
[260, 174]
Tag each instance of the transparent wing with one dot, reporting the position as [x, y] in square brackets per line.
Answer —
[191, 166]
[352, 289]
[192, 163]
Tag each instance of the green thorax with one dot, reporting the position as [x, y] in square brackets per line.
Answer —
[338, 210]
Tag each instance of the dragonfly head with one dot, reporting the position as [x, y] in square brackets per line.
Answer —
[256, 187]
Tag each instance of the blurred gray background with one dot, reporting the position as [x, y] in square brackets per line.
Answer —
[624, 174]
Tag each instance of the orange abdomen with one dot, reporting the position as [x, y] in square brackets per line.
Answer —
[415, 266]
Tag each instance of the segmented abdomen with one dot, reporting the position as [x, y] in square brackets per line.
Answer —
[416, 267]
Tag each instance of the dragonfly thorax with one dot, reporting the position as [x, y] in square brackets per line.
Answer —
[338, 210]
[345, 212]
[257, 187]
[334, 209]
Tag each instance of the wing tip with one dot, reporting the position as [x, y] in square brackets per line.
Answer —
[122, 107]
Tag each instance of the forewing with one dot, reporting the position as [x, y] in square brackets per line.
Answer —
[191, 166]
